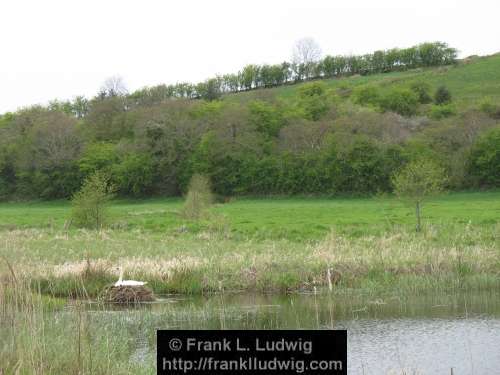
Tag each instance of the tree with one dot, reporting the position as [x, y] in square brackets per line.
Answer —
[114, 86]
[90, 203]
[134, 175]
[306, 52]
[104, 121]
[417, 181]
[248, 76]
[266, 118]
[210, 89]
[80, 107]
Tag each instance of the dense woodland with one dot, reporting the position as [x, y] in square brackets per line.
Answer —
[250, 139]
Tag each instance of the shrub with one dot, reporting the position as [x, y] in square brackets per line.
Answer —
[198, 199]
[90, 203]
[313, 100]
[402, 101]
[312, 89]
[442, 96]
[484, 165]
[366, 95]
[422, 90]
[439, 112]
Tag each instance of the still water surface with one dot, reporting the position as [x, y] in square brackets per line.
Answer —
[427, 334]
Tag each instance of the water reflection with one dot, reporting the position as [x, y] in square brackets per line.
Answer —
[427, 334]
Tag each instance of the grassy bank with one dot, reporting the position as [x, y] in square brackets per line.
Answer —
[260, 245]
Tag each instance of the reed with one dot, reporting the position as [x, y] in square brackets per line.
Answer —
[81, 263]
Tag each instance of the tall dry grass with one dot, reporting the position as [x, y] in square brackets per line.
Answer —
[39, 336]
[82, 263]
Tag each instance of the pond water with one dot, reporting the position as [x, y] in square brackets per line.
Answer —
[426, 334]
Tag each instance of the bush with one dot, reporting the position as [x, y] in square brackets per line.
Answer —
[442, 96]
[313, 100]
[422, 90]
[439, 112]
[484, 165]
[366, 95]
[90, 203]
[198, 199]
[402, 101]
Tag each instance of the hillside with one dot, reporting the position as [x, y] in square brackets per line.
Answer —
[346, 135]
[470, 80]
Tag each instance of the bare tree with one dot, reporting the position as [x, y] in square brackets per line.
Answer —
[114, 86]
[306, 51]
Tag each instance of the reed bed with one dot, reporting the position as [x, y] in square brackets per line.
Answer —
[82, 263]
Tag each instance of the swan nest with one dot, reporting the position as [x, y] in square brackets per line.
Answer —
[127, 294]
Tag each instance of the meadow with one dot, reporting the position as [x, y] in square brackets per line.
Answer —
[273, 244]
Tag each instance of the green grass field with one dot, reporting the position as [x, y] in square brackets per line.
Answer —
[291, 218]
[259, 244]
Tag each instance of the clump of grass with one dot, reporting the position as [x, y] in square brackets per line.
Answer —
[198, 199]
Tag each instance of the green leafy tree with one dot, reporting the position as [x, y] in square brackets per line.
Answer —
[265, 117]
[248, 76]
[134, 175]
[417, 181]
[99, 156]
[89, 205]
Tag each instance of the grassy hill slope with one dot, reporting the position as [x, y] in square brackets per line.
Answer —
[469, 80]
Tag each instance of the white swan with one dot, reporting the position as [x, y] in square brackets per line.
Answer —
[122, 282]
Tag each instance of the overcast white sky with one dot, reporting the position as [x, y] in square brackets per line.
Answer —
[60, 49]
